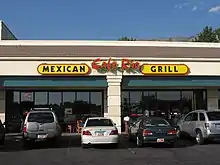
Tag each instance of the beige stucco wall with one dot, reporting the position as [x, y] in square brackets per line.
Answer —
[30, 67]
[112, 95]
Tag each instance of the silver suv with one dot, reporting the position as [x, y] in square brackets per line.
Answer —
[40, 126]
[201, 124]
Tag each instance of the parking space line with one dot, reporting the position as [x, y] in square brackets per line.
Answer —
[131, 150]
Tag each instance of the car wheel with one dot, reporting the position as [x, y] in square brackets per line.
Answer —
[172, 144]
[115, 145]
[199, 138]
[27, 144]
[139, 143]
[129, 137]
[84, 146]
[2, 141]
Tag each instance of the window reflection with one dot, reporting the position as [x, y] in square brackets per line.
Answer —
[41, 99]
[168, 104]
[83, 96]
[96, 103]
[68, 106]
[187, 102]
[26, 96]
[16, 97]
[136, 103]
[68, 98]
[55, 98]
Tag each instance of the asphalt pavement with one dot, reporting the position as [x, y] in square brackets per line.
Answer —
[69, 152]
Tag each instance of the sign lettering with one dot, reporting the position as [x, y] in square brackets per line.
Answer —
[164, 69]
[63, 69]
[111, 65]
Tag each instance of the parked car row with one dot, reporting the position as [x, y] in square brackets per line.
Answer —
[43, 125]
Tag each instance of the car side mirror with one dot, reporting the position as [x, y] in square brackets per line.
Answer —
[114, 124]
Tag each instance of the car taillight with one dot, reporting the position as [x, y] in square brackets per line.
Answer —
[114, 132]
[147, 132]
[25, 129]
[171, 132]
[87, 133]
[207, 125]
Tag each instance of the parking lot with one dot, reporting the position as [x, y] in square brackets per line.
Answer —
[70, 152]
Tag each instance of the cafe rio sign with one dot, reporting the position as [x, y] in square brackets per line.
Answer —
[131, 66]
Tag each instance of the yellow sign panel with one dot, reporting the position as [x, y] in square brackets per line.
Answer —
[63, 69]
[164, 69]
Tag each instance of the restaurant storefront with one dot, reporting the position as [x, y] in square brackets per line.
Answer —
[112, 79]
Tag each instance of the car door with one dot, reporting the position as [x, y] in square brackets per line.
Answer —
[186, 122]
[192, 124]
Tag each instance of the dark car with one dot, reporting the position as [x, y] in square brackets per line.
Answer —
[2, 133]
[152, 130]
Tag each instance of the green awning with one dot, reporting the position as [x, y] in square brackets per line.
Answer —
[55, 83]
[172, 82]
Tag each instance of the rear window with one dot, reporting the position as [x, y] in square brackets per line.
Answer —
[156, 122]
[43, 117]
[212, 116]
[99, 122]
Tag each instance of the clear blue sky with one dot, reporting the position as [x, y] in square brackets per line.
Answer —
[108, 19]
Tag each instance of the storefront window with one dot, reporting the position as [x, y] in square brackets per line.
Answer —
[69, 106]
[16, 97]
[27, 96]
[55, 98]
[187, 102]
[96, 103]
[68, 98]
[41, 99]
[170, 104]
[136, 103]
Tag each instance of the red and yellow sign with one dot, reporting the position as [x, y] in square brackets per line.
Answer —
[164, 69]
[63, 69]
[111, 65]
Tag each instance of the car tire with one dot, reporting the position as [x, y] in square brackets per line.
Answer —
[139, 143]
[199, 138]
[115, 145]
[27, 144]
[84, 146]
[2, 141]
[172, 144]
[129, 137]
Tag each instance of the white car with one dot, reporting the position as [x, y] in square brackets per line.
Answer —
[99, 130]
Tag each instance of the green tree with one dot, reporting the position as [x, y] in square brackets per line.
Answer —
[127, 39]
[208, 34]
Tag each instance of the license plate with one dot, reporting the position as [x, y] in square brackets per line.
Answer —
[99, 133]
[160, 140]
[42, 136]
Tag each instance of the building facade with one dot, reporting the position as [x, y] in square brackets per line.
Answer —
[107, 78]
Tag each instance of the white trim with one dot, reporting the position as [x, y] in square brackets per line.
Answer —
[107, 43]
[106, 58]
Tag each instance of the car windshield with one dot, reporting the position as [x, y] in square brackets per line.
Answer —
[213, 116]
[99, 122]
[156, 122]
[42, 117]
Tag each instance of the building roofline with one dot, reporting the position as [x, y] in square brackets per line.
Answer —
[107, 43]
